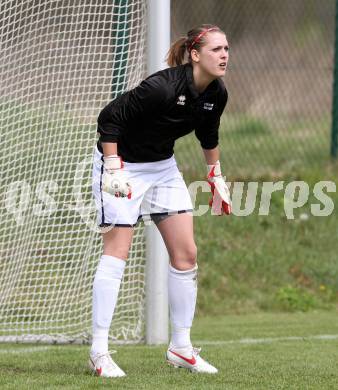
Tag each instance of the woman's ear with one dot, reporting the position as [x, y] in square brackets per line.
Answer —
[194, 54]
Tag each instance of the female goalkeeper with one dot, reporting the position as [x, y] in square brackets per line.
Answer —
[135, 174]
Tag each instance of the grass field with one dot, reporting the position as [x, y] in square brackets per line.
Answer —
[257, 351]
[253, 263]
[253, 147]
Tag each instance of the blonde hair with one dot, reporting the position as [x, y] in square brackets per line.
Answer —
[195, 39]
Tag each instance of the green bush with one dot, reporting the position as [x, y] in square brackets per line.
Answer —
[295, 299]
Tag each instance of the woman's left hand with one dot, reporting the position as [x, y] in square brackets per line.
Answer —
[220, 202]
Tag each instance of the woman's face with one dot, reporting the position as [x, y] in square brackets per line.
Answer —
[213, 56]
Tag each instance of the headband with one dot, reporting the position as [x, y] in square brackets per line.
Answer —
[199, 36]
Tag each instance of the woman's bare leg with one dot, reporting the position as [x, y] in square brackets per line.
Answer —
[117, 242]
[178, 234]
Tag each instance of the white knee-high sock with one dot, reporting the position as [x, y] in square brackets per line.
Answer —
[182, 294]
[106, 287]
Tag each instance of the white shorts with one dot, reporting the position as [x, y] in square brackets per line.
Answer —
[157, 189]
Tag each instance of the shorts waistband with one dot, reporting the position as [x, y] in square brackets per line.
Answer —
[142, 166]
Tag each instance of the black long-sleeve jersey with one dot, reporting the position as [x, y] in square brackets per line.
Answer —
[146, 121]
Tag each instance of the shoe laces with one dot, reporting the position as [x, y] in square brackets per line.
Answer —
[106, 358]
[196, 352]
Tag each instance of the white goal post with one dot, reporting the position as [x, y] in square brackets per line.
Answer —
[60, 63]
[157, 256]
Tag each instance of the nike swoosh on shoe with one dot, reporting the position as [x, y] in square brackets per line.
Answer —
[190, 361]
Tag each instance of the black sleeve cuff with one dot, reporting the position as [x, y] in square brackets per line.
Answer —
[108, 138]
[209, 145]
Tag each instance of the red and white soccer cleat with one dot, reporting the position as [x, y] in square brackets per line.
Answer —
[104, 365]
[190, 359]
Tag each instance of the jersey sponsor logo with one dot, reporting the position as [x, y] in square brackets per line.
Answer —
[208, 106]
[181, 100]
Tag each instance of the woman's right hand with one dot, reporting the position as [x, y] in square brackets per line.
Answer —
[114, 181]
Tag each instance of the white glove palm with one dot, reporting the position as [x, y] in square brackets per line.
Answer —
[114, 180]
[220, 202]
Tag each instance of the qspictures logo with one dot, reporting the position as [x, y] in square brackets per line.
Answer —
[296, 199]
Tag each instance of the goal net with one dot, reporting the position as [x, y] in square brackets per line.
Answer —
[60, 63]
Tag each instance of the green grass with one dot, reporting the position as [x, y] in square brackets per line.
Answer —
[253, 263]
[255, 147]
[278, 363]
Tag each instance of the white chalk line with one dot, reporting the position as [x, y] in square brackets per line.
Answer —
[24, 350]
[268, 340]
[31, 349]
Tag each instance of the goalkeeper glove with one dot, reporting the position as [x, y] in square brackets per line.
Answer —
[113, 179]
[220, 202]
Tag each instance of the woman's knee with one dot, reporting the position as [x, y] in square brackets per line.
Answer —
[117, 243]
[184, 258]
[119, 251]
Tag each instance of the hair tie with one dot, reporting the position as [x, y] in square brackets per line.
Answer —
[199, 36]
